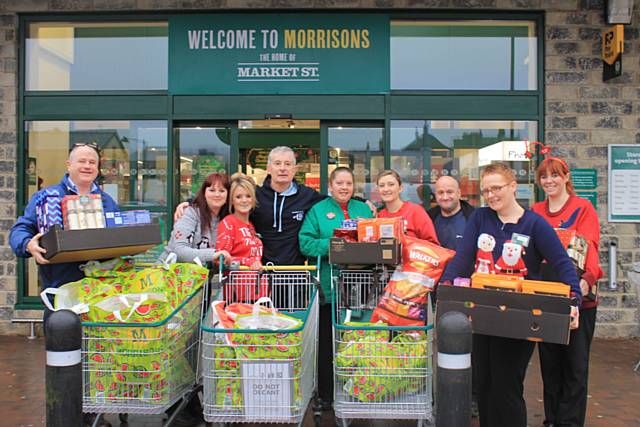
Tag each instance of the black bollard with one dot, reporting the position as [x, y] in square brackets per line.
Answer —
[63, 394]
[453, 383]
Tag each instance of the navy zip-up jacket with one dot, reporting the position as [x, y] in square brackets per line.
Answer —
[543, 243]
[278, 218]
[51, 275]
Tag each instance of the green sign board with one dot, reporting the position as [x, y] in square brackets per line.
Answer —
[584, 179]
[591, 196]
[203, 166]
[279, 53]
[624, 183]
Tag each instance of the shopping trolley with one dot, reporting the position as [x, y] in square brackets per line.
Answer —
[379, 371]
[143, 368]
[259, 375]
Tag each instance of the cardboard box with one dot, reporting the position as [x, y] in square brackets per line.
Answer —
[384, 251]
[98, 243]
[509, 314]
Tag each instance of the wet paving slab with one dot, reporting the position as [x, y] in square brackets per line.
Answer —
[614, 389]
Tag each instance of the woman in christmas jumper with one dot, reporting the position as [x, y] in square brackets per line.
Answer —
[236, 233]
[317, 229]
[565, 368]
[417, 221]
[502, 362]
[195, 234]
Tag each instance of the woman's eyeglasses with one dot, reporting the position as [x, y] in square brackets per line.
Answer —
[493, 189]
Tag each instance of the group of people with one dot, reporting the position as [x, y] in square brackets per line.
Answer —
[284, 221]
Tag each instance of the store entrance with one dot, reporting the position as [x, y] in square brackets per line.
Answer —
[257, 137]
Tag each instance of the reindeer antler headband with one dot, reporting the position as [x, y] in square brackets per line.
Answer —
[545, 150]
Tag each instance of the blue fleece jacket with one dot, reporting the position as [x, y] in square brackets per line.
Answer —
[542, 243]
[51, 275]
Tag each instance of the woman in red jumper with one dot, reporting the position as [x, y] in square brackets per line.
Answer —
[236, 233]
[565, 369]
[417, 221]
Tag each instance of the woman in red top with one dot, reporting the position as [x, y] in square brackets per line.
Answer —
[236, 233]
[565, 369]
[417, 222]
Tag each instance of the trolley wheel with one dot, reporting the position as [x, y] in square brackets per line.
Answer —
[123, 418]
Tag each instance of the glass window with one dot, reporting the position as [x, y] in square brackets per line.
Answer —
[97, 56]
[133, 163]
[463, 55]
[203, 150]
[362, 150]
[423, 150]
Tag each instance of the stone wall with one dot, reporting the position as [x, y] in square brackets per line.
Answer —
[583, 114]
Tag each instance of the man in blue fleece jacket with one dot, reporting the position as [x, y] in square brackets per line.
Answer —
[82, 171]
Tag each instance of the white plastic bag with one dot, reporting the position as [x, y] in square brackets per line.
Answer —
[260, 320]
[66, 298]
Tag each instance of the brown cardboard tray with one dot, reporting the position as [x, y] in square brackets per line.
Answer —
[384, 251]
[530, 317]
[98, 243]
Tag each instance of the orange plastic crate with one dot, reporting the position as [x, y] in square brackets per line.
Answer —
[545, 288]
[496, 282]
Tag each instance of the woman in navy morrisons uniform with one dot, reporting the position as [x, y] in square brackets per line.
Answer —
[521, 240]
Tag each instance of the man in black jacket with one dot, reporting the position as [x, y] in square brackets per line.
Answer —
[449, 218]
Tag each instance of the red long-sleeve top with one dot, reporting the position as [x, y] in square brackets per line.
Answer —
[578, 214]
[240, 240]
[417, 221]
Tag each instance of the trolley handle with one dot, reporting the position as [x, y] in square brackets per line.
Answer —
[272, 267]
[283, 268]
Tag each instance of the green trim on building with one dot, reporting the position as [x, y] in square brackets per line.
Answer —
[226, 110]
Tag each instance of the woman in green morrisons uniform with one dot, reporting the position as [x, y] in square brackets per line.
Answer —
[321, 220]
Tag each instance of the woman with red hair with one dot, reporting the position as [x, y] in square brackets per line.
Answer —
[565, 369]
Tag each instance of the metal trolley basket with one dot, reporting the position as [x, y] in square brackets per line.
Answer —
[138, 368]
[380, 372]
[258, 375]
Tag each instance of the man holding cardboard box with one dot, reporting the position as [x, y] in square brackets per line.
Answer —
[82, 170]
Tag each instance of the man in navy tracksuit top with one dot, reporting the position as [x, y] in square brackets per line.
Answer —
[282, 206]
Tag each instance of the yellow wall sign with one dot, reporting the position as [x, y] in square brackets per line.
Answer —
[612, 43]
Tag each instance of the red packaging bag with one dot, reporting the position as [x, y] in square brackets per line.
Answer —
[404, 297]
[374, 229]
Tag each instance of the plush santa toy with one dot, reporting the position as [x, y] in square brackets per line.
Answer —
[511, 262]
[484, 256]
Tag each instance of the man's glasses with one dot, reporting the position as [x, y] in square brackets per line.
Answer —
[493, 190]
[92, 145]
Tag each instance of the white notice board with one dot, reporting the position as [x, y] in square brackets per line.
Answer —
[624, 183]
